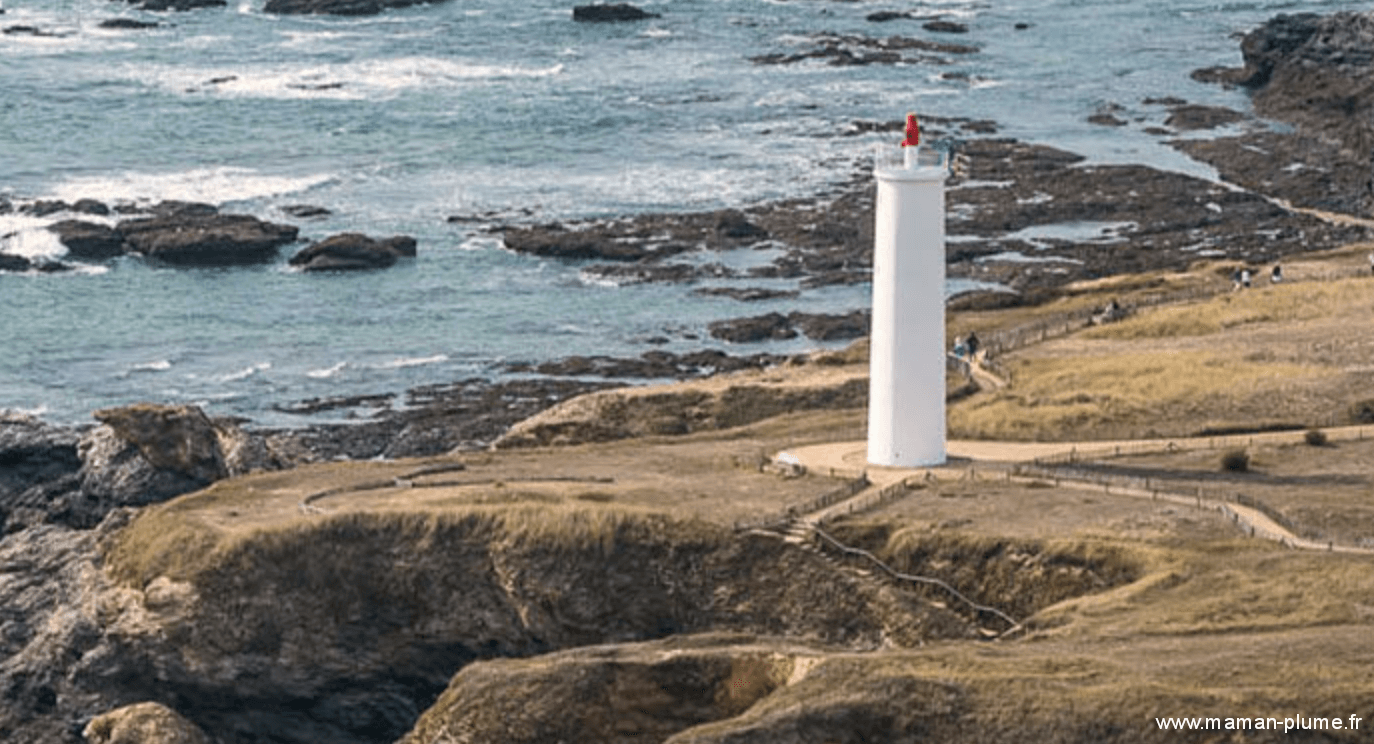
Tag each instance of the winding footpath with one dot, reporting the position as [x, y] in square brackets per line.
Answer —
[1036, 462]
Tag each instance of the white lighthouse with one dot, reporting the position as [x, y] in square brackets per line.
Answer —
[906, 388]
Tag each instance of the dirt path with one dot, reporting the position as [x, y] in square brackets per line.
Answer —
[849, 459]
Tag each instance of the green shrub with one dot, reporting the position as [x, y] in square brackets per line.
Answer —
[1236, 461]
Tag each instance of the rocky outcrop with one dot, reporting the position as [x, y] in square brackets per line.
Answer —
[178, 5]
[129, 24]
[609, 13]
[719, 402]
[776, 326]
[1317, 74]
[141, 454]
[193, 239]
[9, 262]
[179, 439]
[143, 723]
[91, 241]
[353, 251]
[849, 50]
[36, 459]
[338, 7]
[605, 242]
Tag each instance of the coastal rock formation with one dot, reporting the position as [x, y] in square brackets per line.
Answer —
[88, 240]
[143, 723]
[36, 458]
[338, 7]
[605, 242]
[720, 402]
[141, 454]
[180, 439]
[353, 251]
[1313, 72]
[345, 629]
[177, 5]
[193, 239]
[847, 50]
[128, 24]
[608, 13]
[775, 326]
[693, 691]
[9, 262]
[653, 365]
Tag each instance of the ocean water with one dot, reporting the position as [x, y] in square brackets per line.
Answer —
[468, 107]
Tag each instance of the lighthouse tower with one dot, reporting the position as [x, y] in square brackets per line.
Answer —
[906, 388]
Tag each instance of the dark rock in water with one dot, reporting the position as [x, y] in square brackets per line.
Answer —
[597, 241]
[304, 211]
[734, 224]
[848, 50]
[1106, 120]
[1193, 117]
[45, 207]
[89, 240]
[884, 16]
[770, 327]
[210, 240]
[638, 273]
[748, 294]
[336, 7]
[598, 13]
[46, 266]
[353, 251]
[945, 27]
[91, 206]
[174, 208]
[653, 365]
[31, 31]
[821, 327]
[180, 5]
[776, 326]
[128, 24]
[10, 262]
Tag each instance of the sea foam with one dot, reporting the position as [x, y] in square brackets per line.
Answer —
[212, 185]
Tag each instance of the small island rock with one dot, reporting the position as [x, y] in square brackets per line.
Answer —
[88, 240]
[607, 13]
[354, 251]
[193, 239]
[335, 7]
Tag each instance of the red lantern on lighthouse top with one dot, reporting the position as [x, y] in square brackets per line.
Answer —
[913, 132]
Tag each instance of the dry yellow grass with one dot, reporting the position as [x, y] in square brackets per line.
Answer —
[1289, 354]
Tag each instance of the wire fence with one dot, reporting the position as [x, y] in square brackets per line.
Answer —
[781, 518]
[1293, 435]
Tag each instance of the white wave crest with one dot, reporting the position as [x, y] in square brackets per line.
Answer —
[245, 373]
[403, 362]
[362, 80]
[212, 185]
[321, 374]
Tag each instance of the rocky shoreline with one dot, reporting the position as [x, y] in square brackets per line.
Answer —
[1027, 218]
